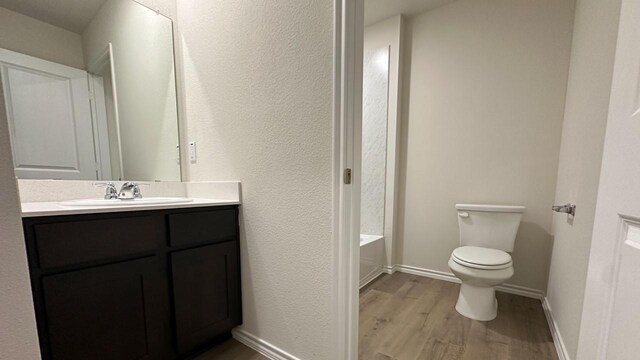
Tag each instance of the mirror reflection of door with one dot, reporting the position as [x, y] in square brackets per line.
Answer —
[49, 118]
[89, 90]
[102, 87]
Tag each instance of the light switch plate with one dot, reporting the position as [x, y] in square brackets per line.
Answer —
[192, 151]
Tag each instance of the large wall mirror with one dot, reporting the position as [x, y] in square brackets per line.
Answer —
[89, 90]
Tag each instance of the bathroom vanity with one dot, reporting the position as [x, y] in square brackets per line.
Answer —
[136, 283]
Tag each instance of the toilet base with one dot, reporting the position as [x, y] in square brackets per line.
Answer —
[477, 303]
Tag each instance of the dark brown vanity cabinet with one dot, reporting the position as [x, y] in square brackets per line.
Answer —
[104, 312]
[156, 284]
[205, 293]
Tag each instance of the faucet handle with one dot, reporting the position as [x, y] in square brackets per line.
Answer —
[130, 190]
[136, 190]
[103, 184]
[111, 192]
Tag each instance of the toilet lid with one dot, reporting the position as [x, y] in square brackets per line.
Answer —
[485, 257]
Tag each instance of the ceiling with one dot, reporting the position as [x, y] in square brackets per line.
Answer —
[73, 15]
[376, 10]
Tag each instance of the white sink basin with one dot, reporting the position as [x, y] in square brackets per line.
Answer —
[133, 202]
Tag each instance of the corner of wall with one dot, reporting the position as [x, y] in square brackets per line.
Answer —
[18, 336]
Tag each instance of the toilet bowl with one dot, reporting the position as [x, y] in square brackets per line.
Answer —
[482, 262]
[479, 276]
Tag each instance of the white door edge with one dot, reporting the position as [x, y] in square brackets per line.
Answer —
[348, 44]
[609, 324]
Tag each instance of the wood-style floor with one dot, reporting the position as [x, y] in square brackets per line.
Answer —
[230, 349]
[408, 317]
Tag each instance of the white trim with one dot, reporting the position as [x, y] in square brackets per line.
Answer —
[348, 45]
[555, 331]
[263, 347]
[445, 276]
[522, 291]
[98, 65]
[434, 274]
[393, 139]
[100, 127]
[371, 276]
[389, 269]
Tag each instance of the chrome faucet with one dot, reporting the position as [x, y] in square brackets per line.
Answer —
[111, 192]
[130, 191]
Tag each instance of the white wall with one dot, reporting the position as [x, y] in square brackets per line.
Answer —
[145, 85]
[375, 95]
[18, 337]
[168, 8]
[259, 88]
[389, 33]
[587, 103]
[33, 37]
[485, 84]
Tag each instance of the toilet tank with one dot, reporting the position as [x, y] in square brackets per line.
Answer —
[490, 226]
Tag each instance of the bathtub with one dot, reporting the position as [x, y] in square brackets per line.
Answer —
[371, 257]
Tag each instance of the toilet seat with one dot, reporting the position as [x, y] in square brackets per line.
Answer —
[481, 258]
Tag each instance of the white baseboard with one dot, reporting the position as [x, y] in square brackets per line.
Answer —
[555, 332]
[434, 274]
[441, 275]
[522, 291]
[389, 269]
[371, 276]
[263, 347]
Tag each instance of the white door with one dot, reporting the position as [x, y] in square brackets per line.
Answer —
[49, 118]
[610, 327]
[100, 126]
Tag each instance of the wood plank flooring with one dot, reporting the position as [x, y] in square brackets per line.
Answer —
[408, 317]
[231, 349]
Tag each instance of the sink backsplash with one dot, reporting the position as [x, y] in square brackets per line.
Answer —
[60, 190]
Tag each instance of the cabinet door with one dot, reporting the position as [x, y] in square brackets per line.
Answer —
[206, 293]
[112, 312]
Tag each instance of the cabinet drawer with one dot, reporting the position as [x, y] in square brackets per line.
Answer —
[73, 242]
[202, 227]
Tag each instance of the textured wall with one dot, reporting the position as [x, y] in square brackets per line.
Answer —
[485, 84]
[375, 91]
[258, 86]
[33, 37]
[18, 338]
[592, 57]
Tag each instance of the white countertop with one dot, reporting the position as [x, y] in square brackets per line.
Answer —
[33, 209]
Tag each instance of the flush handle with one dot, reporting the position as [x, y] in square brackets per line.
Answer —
[463, 214]
[567, 208]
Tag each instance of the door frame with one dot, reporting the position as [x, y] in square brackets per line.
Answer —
[347, 134]
[105, 59]
[100, 131]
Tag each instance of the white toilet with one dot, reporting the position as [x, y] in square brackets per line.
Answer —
[487, 236]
